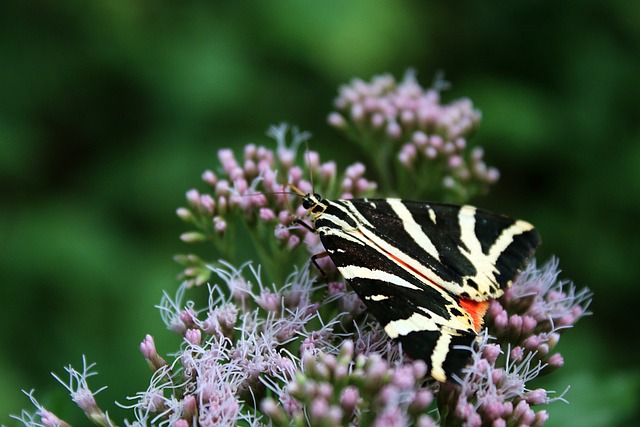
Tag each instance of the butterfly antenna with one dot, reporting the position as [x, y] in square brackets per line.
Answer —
[295, 189]
[308, 156]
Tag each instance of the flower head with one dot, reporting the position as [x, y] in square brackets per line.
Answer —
[344, 388]
[494, 388]
[428, 138]
[41, 418]
[255, 189]
[81, 395]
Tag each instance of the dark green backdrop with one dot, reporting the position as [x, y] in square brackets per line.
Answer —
[110, 111]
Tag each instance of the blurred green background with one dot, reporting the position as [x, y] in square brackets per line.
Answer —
[110, 111]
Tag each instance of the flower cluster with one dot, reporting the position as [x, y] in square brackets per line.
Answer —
[341, 389]
[245, 335]
[281, 354]
[255, 190]
[274, 347]
[494, 392]
[527, 322]
[78, 388]
[533, 313]
[427, 138]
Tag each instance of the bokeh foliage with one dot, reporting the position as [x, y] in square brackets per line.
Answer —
[110, 110]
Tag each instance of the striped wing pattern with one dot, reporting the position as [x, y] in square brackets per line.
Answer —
[422, 268]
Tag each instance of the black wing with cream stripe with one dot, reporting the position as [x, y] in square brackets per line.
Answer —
[473, 252]
[414, 264]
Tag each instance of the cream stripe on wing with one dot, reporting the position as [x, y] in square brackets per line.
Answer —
[485, 264]
[413, 228]
[415, 323]
[439, 355]
[356, 272]
[506, 238]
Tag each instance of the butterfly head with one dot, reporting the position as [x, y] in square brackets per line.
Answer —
[311, 200]
[315, 204]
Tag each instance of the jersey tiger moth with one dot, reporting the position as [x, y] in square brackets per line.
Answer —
[426, 271]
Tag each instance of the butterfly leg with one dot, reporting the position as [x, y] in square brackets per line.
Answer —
[304, 224]
[315, 257]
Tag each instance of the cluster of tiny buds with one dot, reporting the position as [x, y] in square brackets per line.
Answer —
[257, 188]
[527, 322]
[493, 392]
[534, 311]
[237, 347]
[245, 188]
[344, 388]
[459, 166]
[433, 135]
[230, 346]
[397, 109]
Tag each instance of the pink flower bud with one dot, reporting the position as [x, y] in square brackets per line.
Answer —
[430, 153]
[455, 162]
[555, 361]
[420, 139]
[193, 197]
[219, 225]
[312, 159]
[394, 130]
[267, 214]
[193, 237]
[491, 353]
[222, 188]
[295, 174]
[336, 120]
[208, 204]
[250, 151]
[407, 117]
[184, 214]
[194, 336]
[328, 170]
[293, 242]
[357, 112]
[536, 397]
[319, 409]
[209, 177]
[349, 399]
